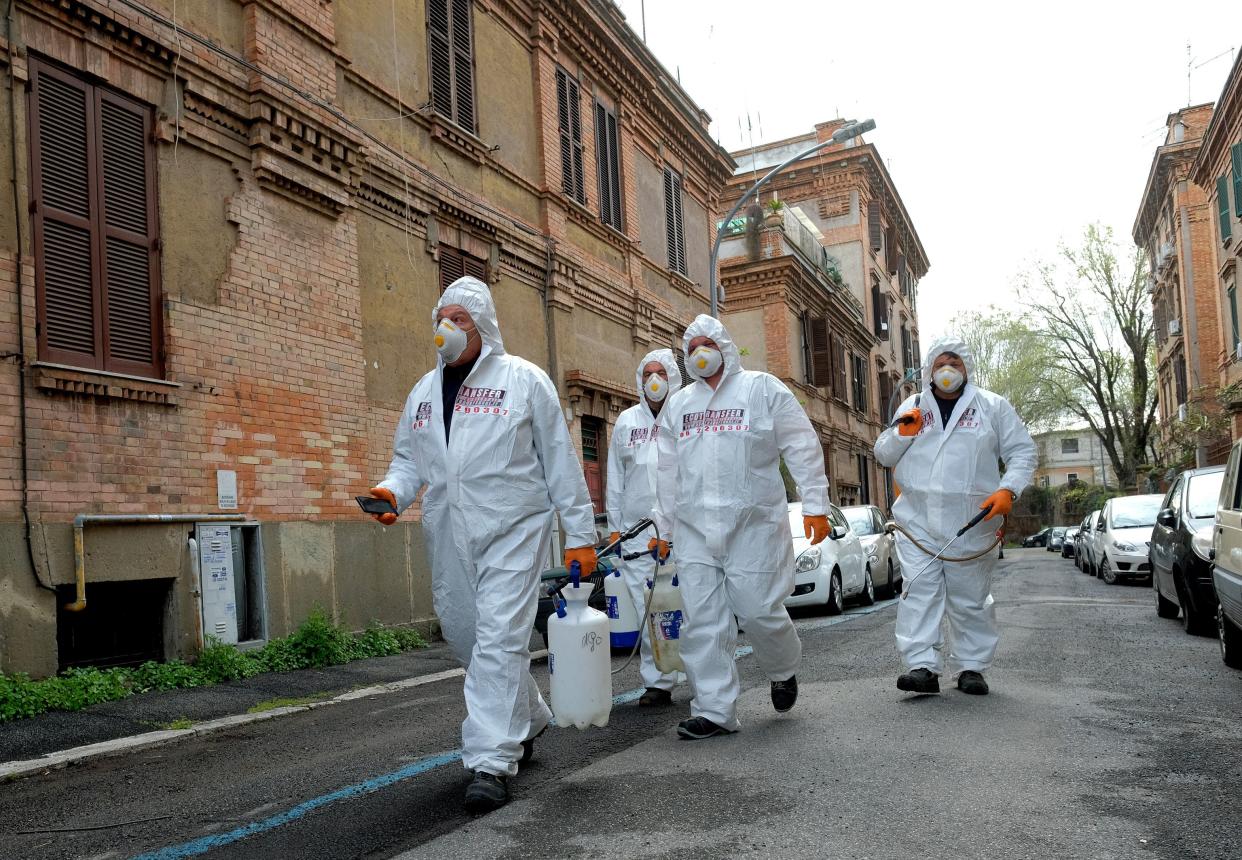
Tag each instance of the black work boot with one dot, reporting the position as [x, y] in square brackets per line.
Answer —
[784, 694]
[486, 792]
[972, 683]
[655, 698]
[528, 746]
[698, 728]
[919, 681]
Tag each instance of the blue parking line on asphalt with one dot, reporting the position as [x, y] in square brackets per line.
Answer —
[204, 844]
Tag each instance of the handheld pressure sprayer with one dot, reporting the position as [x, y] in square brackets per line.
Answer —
[575, 575]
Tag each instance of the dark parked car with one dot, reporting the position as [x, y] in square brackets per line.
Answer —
[1056, 538]
[1040, 538]
[1181, 550]
[1068, 545]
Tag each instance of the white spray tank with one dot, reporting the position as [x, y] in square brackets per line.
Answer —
[623, 622]
[664, 620]
[579, 660]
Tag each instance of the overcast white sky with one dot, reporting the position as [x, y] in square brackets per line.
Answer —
[1005, 132]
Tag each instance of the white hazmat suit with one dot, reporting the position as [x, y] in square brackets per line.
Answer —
[721, 500]
[945, 473]
[632, 460]
[492, 488]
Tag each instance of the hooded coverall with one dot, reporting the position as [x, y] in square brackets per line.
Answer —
[632, 458]
[945, 473]
[721, 500]
[492, 487]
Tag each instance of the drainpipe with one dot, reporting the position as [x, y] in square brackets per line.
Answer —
[548, 324]
[79, 541]
[20, 358]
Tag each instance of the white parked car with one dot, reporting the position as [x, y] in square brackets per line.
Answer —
[1123, 538]
[867, 522]
[831, 571]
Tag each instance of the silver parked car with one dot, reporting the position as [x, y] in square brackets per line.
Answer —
[867, 522]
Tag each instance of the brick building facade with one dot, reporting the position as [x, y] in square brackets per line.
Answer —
[228, 234]
[1217, 171]
[822, 292]
[1174, 227]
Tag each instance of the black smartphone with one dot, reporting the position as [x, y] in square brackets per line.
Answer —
[373, 505]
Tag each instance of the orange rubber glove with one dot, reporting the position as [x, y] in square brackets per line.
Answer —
[660, 547]
[910, 423]
[584, 555]
[1001, 502]
[816, 528]
[384, 493]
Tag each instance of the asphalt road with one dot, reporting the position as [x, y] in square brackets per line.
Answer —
[1109, 733]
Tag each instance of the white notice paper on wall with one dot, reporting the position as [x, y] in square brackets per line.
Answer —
[226, 489]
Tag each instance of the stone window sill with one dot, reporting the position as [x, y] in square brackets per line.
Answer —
[58, 378]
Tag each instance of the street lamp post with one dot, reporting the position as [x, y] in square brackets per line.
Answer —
[841, 135]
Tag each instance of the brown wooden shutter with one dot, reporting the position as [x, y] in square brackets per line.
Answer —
[808, 366]
[821, 356]
[840, 373]
[463, 65]
[452, 266]
[608, 166]
[62, 145]
[440, 53]
[131, 262]
[673, 221]
[874, 227]
[96, 226]
[569, 120]
[474, 267]
[891, 250]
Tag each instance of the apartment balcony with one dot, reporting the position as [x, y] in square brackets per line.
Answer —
[783, 234]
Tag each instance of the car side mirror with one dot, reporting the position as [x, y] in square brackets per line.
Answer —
[1167, 518]
[839, 532]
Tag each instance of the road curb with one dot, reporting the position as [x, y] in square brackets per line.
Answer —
[13, 770]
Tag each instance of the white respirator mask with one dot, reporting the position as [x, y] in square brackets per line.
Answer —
[704, 362]
[948, 379]
[450, 341]
[656, 388]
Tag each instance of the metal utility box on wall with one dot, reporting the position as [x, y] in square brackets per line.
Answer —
[231, 583]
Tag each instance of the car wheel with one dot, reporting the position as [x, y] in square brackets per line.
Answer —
[1165, 608]
[892, 586]
[867, 598]
[1106, 572]
[836, 601]
[1230, 640]
[1193, 621]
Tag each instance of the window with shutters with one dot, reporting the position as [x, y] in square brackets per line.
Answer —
[450, 51]
[879, 309]
[808, 373]
[840, 369]
[1222, 209]
[455, 263]
[95, 225]
[674, 222]
[608, 165]
[1235, 158]
[875, 229]
[1232, 298]
[569, 120]
[821, 353]
[860, 382]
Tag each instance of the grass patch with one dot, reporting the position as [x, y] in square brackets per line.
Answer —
[180, 723]
[287, 702]
[316, 643]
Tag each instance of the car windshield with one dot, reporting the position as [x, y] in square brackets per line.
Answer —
[1202, 494]
[1135, 512]
[860, 521]
[1058, 531]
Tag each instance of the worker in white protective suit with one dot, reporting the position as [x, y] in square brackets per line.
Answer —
[485, 434]
[945, 445]
[632, 459]
[721, 501]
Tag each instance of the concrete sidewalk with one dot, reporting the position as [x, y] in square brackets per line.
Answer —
[147, 713]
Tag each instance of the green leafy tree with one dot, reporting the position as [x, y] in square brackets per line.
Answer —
[1014, 361]
[1093, 316]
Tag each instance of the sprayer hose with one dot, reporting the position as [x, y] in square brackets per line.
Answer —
[892, 526]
